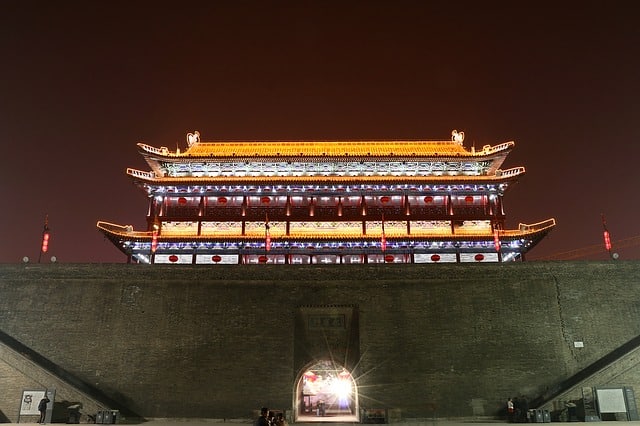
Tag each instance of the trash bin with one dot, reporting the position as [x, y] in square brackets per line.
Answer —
[572, 412]
[535, 416]
[73, 414]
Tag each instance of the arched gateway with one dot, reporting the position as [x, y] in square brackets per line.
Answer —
[325, 392]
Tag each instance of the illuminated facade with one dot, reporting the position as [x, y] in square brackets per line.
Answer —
[334, 202]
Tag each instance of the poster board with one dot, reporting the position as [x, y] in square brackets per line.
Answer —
[29, 402]
[611, 401]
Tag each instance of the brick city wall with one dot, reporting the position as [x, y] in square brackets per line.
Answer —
[219, 342]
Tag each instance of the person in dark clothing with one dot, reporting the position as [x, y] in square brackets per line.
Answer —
[42, 407]
[524, 407]
[263, 419]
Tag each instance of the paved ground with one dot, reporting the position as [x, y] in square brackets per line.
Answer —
[436, 422]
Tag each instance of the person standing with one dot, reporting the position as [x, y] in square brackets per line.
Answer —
[263, 420]
[280, 421]
[42, 407]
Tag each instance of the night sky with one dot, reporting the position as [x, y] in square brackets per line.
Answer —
[81, 82]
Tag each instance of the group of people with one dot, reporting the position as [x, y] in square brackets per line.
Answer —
[270, 418]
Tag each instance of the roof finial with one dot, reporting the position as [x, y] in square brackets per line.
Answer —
[457, 136]
[193, 138]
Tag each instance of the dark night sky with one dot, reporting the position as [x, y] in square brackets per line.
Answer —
[81, 82]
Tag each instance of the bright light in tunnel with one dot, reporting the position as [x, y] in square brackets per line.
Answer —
[341, 388]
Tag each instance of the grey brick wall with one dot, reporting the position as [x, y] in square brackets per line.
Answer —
[218, 342]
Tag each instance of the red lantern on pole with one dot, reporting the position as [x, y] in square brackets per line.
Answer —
[46, 235]
[45, 241]
[267, 234]
[154, 238]
[607, 236]
[607, 241]
[383, 238]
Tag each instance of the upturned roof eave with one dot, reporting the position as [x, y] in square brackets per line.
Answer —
[120, 233]
[330, 180]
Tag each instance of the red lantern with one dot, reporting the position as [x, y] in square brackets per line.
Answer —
[154, 241]
[182, 201]
[479, 257]
[607, 240]
[435, 257]
[263, 259]
[496, 240]
[389, 258]
[265, 200]
[310, 376]
[468, 199]
[222, 200]
[385, 199]
[216, 258]
[428, 199]
[173, 258]
[45, 242]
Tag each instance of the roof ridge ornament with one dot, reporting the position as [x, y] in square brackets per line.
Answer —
[457, 136]
[193, 138]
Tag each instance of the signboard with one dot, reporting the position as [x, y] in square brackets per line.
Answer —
[30, 400]
[611, 401]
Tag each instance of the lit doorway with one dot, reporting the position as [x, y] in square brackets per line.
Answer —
[326, 392]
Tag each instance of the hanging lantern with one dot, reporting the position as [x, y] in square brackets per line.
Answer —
[435, 257]
[479, 257]
[607, 240]
[173, 258]
[216, 258]
[222, 200]
[154, 239]
[428, 199]
[496, 240]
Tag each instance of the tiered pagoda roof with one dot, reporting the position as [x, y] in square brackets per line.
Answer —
[436, 196]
